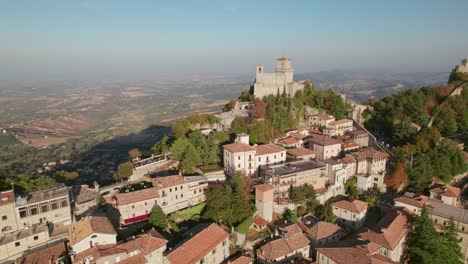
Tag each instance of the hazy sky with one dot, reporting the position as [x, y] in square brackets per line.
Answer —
[97, 37]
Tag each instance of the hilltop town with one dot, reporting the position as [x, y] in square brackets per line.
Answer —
[286, 173]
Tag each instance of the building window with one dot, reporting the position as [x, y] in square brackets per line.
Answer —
[4, 217]
[36, 237]
[33, 210]
[176, 189]
[64, 203]
[54, 206]
[213, 251]
[22, 212]
[181, 187]
[146, 203]
[195, 192]
[133, 206]
[176, 196]
[44, 207]
[17, 244]
[93, 236]
[170, 189]
[182, 196]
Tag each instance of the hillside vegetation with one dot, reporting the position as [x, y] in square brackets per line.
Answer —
[404, 121]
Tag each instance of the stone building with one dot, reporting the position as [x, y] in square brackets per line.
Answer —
[207, 244]
[295, 174]
[44, 206]
[324, 146]
[84, 199]
[463, 67]
[447, 194]
[264, 201]
[14, 244]
[8, 221]
[89, 232]
[277, 82]
[338, 127]
[240, 156]
[350, 213]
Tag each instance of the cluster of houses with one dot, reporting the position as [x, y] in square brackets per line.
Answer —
[65, 225]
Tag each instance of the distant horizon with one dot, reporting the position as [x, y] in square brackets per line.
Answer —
[88, 38]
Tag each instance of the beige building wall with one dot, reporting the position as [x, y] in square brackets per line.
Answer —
[8, 221]
[350, 219]
[92, 240]
[300, 254]
[239, 161]
[326, 152]
[54, 210]
[264, 204]
[15, 248]
[156, 256]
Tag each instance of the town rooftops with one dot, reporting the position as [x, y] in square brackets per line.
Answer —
[446, 190]
[418, 201]
[146, 244]
[358, 133]
[268, 149]
[136, 196]
[389, 231]
[138, 258]
[83, 194]
[168, 181]
[87, 226]
[300, 152]
[238, 147]
[355, 206]
[350, 145]
[242, 260]
[282, 246]
[288, 141]
[298, 135]
[295, 167]
[348, 159]
[320, 230]
[98, 251]
[353, 252]
[264, 187]
[20, 234]
[447, 211]
[42, 195]
[49, 254]
[198, 245]
[331, 161]
[323, 140]
[369, 153]
[259, 221]
[341, 121]
[7, 197]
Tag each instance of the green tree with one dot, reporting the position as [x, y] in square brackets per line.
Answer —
[158, 219]
[180, 127]
[290, 215]
[453, 254]
[191, 159]
[350, 188]
[425, 245]
[124, 170]
[325, 212]
[162, 146]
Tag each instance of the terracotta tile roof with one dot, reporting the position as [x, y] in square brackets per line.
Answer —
[23, 233]
[47, 255]
[419, 201]
[389, 231]
[284, 245]
[354, 206]
[192, 250]
[297, 135]
[136, 196]
[358, 132]
[446, 190]
[7, 197]
[259, 221]
[146, 244]
[99, 251]
[325, 116]
[168, 181]
[352, 252]
[320, 230]
[288, 141]
[323, 140]
[350, 145]
[137, 259]
[300, 152]
[369, 153]
[238, 147]
[341, 121]
[47, 194]
[268, 149]
[349, 159]
[264, 187]
[87, 226]
[242, 260]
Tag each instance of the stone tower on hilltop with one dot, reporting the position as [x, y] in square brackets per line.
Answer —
[280, 80]
[463, 67]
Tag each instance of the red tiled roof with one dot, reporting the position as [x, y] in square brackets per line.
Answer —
[146, 244]
[323, 140]
[354, 206]
[87, 226]
[297, 135]
[47, 255]
[447, 190]
[198, 246]
[99, 251]
[259, 221]
[349, 159]
[242, 260]
[369, 153]
[320, 230]
[341, 121]
[168, 181]
[358, 132]
[350, 145]
[7, 197]
[419, 201]
[238, 147]
[268, 149]
[264, 187]
[300, 152]
[283, 246]
[325, 116]
[136, 196]
[341, 253]
[393, 227]
[288, 141]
